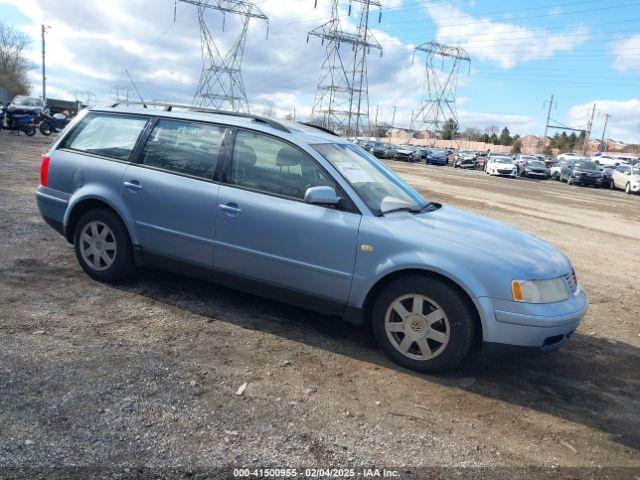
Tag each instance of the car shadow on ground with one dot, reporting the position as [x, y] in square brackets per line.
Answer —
[592, 381]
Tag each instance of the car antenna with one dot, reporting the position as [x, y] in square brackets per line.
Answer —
[135, 88]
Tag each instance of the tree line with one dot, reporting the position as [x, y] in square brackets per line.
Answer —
[14, 66]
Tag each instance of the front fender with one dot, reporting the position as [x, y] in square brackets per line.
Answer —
[367, 275]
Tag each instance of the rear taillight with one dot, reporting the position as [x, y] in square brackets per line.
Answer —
[44, 170]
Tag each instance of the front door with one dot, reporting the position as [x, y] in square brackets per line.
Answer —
[170, 193]
[266, 232]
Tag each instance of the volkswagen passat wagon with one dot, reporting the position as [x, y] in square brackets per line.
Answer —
[295, 213]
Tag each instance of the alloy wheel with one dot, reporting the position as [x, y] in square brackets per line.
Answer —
[417, 326]
[98, 245]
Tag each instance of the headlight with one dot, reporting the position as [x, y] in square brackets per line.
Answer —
[540, 291]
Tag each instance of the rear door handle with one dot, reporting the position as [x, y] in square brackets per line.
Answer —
[133, 185]
[231, 209]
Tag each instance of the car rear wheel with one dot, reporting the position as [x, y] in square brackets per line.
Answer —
[102, 246]
[612, 185]
[423, 324]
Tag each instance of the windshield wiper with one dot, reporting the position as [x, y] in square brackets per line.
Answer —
[429, 207]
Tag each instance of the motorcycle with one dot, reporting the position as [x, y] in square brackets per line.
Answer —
[52, 123]
[21, 122]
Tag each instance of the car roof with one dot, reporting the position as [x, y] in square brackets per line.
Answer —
[288, 130]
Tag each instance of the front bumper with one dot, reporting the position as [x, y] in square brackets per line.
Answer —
[541, 326]
[634, 187]
[437, 161]
[585, 180]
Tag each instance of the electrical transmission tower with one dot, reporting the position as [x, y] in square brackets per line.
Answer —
[439, 102]
[221, 86]
[342, 97]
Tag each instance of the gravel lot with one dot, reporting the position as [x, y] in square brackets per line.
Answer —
[140, 379]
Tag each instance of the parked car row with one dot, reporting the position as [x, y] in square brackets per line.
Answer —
[598, 171]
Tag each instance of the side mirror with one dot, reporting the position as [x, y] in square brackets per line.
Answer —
[321, 196]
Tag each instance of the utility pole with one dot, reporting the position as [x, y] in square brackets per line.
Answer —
[376, 122]
[342, 95]
[442, 65]
[43, 29]
[393, 120]
[604, 130]
[588, 135]
[221, 85]
[546, 126]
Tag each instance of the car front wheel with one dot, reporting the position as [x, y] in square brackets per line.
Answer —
[102, 246]
[627, 189]
[423, 324]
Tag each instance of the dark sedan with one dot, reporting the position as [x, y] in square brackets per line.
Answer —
[582, 172]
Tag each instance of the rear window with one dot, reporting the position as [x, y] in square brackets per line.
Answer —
[113, 136]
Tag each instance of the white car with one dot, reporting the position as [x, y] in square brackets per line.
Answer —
[569, 156]
[626, 177]
[608, 160]
[502, 166]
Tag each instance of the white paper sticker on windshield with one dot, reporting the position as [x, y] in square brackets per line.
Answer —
[354, 172]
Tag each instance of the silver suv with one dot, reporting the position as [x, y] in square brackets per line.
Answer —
[293, 212]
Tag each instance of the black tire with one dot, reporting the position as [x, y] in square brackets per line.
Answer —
[612, 185]
[460, 313]
[30, 131]
[45, 128]
[123, 264]
[627, 189]
[569, 181]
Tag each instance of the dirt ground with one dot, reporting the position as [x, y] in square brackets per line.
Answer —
[140, 379]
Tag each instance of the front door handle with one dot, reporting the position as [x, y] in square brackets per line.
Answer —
[133, 185]
[231, 209]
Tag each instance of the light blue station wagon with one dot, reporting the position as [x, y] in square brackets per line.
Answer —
[295, 213]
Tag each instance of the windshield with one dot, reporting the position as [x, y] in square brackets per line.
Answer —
[502, 160]
[535, 163]
[371, 180]
[437, 151]
[27, 101]
[585, 165]
[466, 152]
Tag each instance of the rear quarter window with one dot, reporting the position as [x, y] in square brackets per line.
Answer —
[113, 136]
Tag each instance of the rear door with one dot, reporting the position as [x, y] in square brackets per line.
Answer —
[171, 192]
[266, 232]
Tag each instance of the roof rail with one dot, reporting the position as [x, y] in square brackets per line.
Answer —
[168, 107]
[323, 129]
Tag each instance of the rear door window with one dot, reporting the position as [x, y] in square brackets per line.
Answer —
[184, 147]
[113, 136]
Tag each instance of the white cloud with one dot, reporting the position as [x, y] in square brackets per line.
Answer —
[624, 124]
[627, 54]
[503, 43]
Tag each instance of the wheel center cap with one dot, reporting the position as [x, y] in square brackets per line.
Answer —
[415, 326]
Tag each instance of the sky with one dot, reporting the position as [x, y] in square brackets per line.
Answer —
[581, 51]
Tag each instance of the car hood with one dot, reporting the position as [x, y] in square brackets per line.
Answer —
[524, 254]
